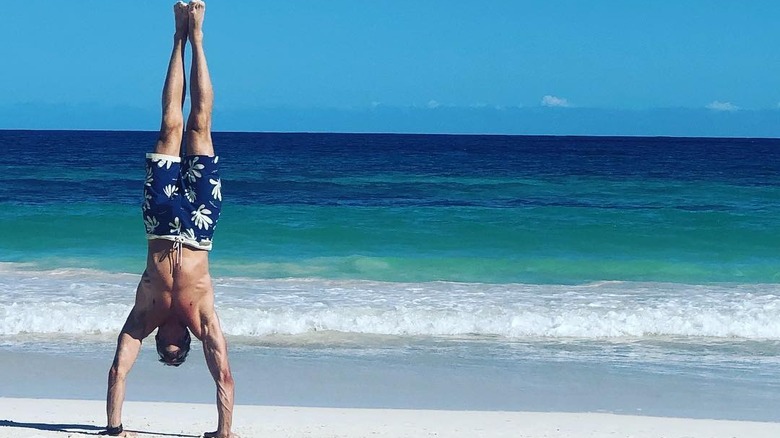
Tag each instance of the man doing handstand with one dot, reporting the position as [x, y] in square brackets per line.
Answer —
[182, 200]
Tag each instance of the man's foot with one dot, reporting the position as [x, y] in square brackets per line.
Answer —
[197, 10]
[182, 14]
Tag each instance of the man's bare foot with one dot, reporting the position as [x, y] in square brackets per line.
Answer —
[182, 15]
[197, 10]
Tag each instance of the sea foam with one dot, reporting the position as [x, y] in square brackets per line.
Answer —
[92, 302]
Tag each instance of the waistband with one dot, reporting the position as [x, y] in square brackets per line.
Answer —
[178, 241]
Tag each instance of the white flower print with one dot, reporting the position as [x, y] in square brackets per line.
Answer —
[147, 197]
[190, 194]
[216, 192]
[149, 177]
[216, 159]
[175, 226]
[151, 223]
[170, 190]
[162, 162]
[193, 173]
[200, 217]
[188, 234]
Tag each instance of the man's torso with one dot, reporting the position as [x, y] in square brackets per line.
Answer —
[169, 290]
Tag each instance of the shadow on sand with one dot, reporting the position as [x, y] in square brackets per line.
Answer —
[86, 429]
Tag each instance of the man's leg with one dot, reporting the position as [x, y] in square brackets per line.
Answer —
[172, 127]
[201, 93]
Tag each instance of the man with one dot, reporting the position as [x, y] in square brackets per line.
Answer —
[182, 200]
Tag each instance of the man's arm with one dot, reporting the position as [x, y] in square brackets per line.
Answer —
[127, 348]
[215, 349]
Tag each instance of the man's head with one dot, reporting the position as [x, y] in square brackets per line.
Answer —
[173, 343]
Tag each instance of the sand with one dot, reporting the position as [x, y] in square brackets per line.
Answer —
[74, 418]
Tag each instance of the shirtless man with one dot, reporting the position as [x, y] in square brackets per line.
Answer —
[182, 200]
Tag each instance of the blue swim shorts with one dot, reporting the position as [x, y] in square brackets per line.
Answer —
[182, 199]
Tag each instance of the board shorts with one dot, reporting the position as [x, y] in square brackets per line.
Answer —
[182, 199]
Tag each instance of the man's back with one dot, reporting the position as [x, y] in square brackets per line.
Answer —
[175, 288]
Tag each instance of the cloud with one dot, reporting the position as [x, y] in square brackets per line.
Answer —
[433, 104]
[553, 101]
[722, 106]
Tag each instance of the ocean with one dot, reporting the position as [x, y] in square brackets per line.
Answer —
[628, 275]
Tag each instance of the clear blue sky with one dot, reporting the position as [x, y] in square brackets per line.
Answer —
[318, 59]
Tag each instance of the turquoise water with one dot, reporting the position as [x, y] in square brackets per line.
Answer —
[529, 245]
[418, 208]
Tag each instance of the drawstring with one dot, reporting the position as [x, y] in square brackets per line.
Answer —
[177, 245]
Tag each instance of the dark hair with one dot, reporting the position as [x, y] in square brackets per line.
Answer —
[173, 359]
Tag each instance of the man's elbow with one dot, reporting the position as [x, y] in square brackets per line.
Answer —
[117, 373]
[225, 380]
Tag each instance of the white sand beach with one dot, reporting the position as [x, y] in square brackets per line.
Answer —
[73, 418]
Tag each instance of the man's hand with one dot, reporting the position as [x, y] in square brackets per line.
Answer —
[216, 435]
[116, 431]
[113, 431]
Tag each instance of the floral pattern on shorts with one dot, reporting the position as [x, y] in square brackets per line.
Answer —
[182, 198]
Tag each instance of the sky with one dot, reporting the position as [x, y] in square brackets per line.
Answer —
[602, 67]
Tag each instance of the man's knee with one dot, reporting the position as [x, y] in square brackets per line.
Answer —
[199, 142]
[199, 123]
[170, 137]
[172, 126]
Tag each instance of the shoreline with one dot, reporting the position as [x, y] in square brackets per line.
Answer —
[72, 418]
[418, 378]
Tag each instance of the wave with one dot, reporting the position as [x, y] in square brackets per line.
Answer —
[503, 323]
[83, 302]
[751, 322]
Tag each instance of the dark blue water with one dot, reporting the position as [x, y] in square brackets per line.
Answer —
[419, 207]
